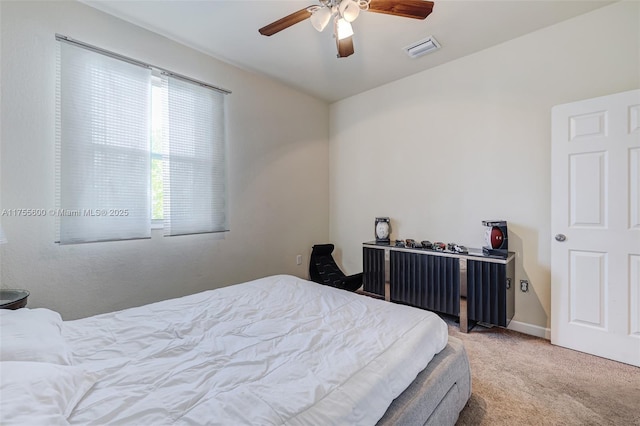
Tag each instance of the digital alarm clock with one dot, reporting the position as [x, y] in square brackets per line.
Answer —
[383, 230]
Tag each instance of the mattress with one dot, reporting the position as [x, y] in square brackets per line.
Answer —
[278, 350]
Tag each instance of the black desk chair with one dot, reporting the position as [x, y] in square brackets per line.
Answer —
[324, 270]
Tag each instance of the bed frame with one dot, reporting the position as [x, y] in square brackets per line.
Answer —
[438, 393]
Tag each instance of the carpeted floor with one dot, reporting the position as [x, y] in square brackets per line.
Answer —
[524, 380]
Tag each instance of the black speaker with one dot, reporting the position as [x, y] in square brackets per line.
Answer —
[496, 238]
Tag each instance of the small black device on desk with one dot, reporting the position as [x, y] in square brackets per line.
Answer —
[13, 299]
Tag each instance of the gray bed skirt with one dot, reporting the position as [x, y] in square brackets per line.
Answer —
[438, 393]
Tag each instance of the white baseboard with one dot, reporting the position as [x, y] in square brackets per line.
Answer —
[533, 330]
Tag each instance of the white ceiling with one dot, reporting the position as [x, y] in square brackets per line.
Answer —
[305, 59]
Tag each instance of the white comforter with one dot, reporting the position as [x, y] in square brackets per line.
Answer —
[278, 350]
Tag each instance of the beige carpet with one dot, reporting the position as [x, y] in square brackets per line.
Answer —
[524, 380]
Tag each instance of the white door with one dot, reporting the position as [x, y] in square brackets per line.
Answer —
[595, 222]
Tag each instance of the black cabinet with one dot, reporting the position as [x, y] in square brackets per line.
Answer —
[425, 281]
[373, 277]
[490, 293]
[471, 286]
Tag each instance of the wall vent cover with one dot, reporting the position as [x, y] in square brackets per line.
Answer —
[422, 47]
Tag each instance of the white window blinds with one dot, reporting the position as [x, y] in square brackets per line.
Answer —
[103, 137]
[105, 110]
[195, 199]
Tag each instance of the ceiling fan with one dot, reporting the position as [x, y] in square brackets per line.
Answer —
[343, 13]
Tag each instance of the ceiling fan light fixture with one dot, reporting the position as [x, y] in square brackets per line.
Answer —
[320, 18]
[343, 29]
[349, 10]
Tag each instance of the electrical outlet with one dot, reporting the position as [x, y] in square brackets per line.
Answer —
[299, 259]
[524, 286]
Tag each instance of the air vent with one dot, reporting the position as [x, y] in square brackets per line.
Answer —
[422, 47]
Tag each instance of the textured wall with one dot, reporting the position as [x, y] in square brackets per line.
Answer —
[278, 174]
[442, 150]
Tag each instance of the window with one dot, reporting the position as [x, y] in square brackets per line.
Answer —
[135, 146]
[158, 103]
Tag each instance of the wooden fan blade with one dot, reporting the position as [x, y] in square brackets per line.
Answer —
[284, 23]
[416, 9]
[345, 47]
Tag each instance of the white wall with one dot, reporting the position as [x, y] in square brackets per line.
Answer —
[443, 150]
[278, 174]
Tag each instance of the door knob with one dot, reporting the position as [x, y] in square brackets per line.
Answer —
[561, 237]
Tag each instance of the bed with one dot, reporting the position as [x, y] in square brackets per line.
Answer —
[277, 350]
